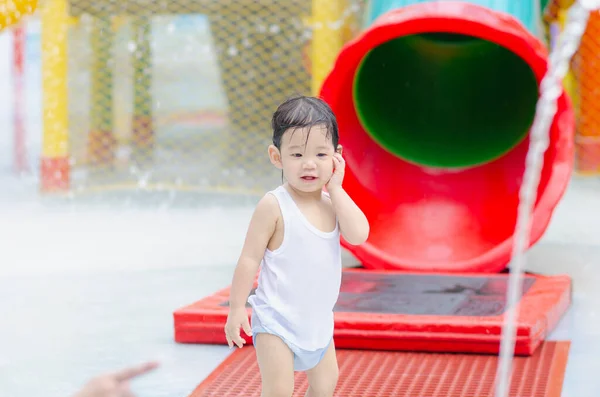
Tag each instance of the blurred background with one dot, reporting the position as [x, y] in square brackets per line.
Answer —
[133, 141]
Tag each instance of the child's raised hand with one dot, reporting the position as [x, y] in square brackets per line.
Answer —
[339, 166]
[237, 318]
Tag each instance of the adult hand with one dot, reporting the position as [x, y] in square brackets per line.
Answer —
[115, 384]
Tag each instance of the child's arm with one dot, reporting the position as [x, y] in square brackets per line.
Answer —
[260, 231]
[354, 225]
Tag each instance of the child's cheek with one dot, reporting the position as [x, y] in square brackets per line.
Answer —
[331, 169]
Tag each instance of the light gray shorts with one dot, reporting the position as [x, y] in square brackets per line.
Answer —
[303, 359]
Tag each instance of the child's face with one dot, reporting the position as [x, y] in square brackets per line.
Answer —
[305, 158]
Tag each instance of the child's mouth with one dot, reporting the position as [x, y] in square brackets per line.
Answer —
[309, 178]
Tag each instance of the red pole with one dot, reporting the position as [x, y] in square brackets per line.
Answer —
[20, 152]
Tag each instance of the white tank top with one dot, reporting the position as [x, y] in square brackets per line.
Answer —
[299, 282]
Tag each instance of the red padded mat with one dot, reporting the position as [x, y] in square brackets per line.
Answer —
[399, 374]
[391, 310]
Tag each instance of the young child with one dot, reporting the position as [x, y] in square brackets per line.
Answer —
[294, 234]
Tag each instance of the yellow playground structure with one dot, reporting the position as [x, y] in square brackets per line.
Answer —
[11, 11]
[178, 94]
[120, 94]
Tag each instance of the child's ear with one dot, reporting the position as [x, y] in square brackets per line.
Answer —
[275, 156]
[339, 149]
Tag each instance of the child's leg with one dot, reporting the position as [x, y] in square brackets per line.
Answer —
[322, 379]
[276, 364]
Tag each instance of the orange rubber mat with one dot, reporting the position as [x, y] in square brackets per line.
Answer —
[391, 310]
[366, 373]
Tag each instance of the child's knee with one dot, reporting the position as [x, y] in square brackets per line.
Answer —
[324, 386]
[321, 390]
[278, 388]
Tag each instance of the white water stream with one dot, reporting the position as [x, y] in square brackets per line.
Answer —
[550, 90]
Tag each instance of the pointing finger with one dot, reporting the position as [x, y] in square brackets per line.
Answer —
[132, 372]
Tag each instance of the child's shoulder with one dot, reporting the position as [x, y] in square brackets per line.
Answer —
[268, 207]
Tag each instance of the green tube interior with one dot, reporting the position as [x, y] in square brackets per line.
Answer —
[445, 100]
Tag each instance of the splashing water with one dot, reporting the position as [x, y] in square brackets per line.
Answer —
[550, 90]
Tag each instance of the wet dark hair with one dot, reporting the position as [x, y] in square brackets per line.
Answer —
[303, 111]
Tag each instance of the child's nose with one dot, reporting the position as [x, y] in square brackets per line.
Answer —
[309, 163]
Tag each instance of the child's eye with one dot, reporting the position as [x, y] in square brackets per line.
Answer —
[296, 154]
[322, 154]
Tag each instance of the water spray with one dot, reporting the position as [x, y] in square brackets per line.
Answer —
[550, 90]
